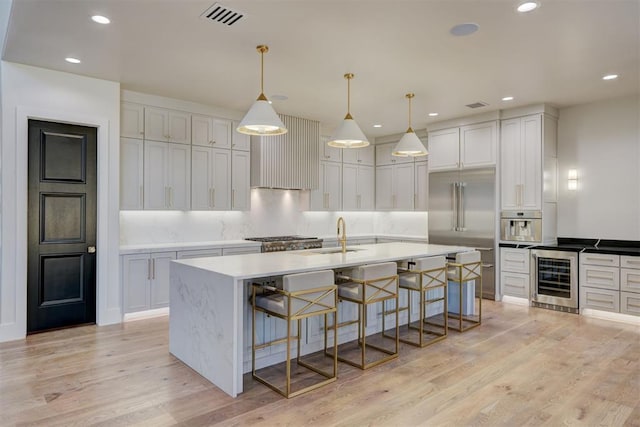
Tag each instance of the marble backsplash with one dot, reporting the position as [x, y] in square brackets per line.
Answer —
[273, 213]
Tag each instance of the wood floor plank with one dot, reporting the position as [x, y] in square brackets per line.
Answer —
[524, 366]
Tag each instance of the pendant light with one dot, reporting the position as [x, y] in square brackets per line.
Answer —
[409, 144]
[348, 134]
[261, 119]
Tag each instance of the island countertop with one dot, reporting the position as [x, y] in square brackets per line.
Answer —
[249, 266]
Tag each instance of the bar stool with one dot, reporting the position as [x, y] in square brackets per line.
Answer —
[427, 277]
[302, 296]
[462, 275]
[370, 284]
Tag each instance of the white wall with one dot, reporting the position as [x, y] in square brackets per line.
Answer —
[29, 92]
[273, 212]
[602, 141]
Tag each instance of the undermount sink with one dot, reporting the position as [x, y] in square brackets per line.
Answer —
[333, 250]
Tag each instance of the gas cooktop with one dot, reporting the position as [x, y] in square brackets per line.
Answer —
[287, 243]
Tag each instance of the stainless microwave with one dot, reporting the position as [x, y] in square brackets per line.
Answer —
[521, 226]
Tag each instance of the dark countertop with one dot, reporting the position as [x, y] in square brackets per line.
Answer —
[600, 246]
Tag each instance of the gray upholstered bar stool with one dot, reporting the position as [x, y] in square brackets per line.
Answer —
[462, 275]
[371, 284]
[428, 278]
[302, 296]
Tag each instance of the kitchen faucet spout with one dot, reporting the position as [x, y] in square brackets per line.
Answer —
[342, 239]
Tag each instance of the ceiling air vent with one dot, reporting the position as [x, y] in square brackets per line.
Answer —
[222, 14]
[477, 104]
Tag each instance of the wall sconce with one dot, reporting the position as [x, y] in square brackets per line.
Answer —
[572, 181]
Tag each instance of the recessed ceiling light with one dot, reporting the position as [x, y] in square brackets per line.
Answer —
[464, 29]
[72, 60]
[508, 98]
[610, 77]
[433, 114]
[101, 19]
[377, 126]
[528, 6]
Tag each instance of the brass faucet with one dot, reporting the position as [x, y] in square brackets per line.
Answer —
[342, 239]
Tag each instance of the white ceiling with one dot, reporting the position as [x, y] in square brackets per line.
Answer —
[556, 54]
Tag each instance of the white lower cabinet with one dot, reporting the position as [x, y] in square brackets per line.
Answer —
[599, 282]
[515, 278]
[200, 253]
[630, 303]
[145, 280]
[600, 299]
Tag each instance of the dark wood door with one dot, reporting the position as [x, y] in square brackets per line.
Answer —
[61, 263]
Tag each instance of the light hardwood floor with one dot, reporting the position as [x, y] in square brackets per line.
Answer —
[523, 366]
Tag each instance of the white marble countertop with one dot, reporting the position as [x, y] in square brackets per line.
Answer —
[214, 244]
[186, 246]
[278, 263]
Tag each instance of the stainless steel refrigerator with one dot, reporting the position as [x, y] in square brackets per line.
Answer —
[462, 212]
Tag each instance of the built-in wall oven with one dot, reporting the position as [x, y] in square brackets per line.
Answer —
[554, 279]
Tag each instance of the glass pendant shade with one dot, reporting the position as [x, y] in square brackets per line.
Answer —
[409, 144]
[348, 134]
[261, 119]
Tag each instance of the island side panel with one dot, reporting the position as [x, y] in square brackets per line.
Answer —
[203, 324]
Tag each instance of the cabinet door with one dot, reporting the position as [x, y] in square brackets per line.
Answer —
[366, 192]
[510, 158]
[384, 187]
[179, 176]
[155, 166]
[421, 202]
[629, 280]
[531, 163]
[383, 154]
[201, 178]
[179, 127]
[240, 141]
[331, 154]
[478, 145]
[444, 149]
[367, 155]
[403, 186]
[131, 173]
[240, 184]
[221, 133]
[595, 276]
[349, 187]
[350, 155]
[136, 281]
[630, 303]
[333, 185]
[201, 130]
[160, 280]
[515, 260]
[221, 180]
[515, 284]
[599, 299]
[156, 122]
[131, 120]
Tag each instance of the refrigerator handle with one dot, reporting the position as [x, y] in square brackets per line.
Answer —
[454, 197]
[461, 209]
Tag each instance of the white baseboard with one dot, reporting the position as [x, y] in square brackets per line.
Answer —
[147, 314]
[515, 300]
[606, 315]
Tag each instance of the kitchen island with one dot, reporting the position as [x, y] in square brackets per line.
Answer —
[209, 299]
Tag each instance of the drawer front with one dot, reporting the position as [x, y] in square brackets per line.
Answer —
[515, 284]
[600, 277]
[514, 260]
[599, 299]
[202, 253]
[630, 303]
[630, 261]
[606, 260]
[629, 280]
[240, 251]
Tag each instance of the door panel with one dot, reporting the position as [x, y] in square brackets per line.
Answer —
[61, 282]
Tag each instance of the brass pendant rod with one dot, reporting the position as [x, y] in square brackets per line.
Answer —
[410, 96]
[262, 49]
[348, 76]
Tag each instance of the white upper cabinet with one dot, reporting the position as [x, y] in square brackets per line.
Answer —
[327, 153]
[131, 174]
[383, 155]
[210, 178]
[360, 156]
[478, 145]
[210, 132]
[421, 186]
[444, 149]
[131, 120]
[357, 187]
[167, 173]
[240, 141]
[240, 180]
[328, 196]
[162, 124]
[521, 163]
[395, 187]
[465, 147]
